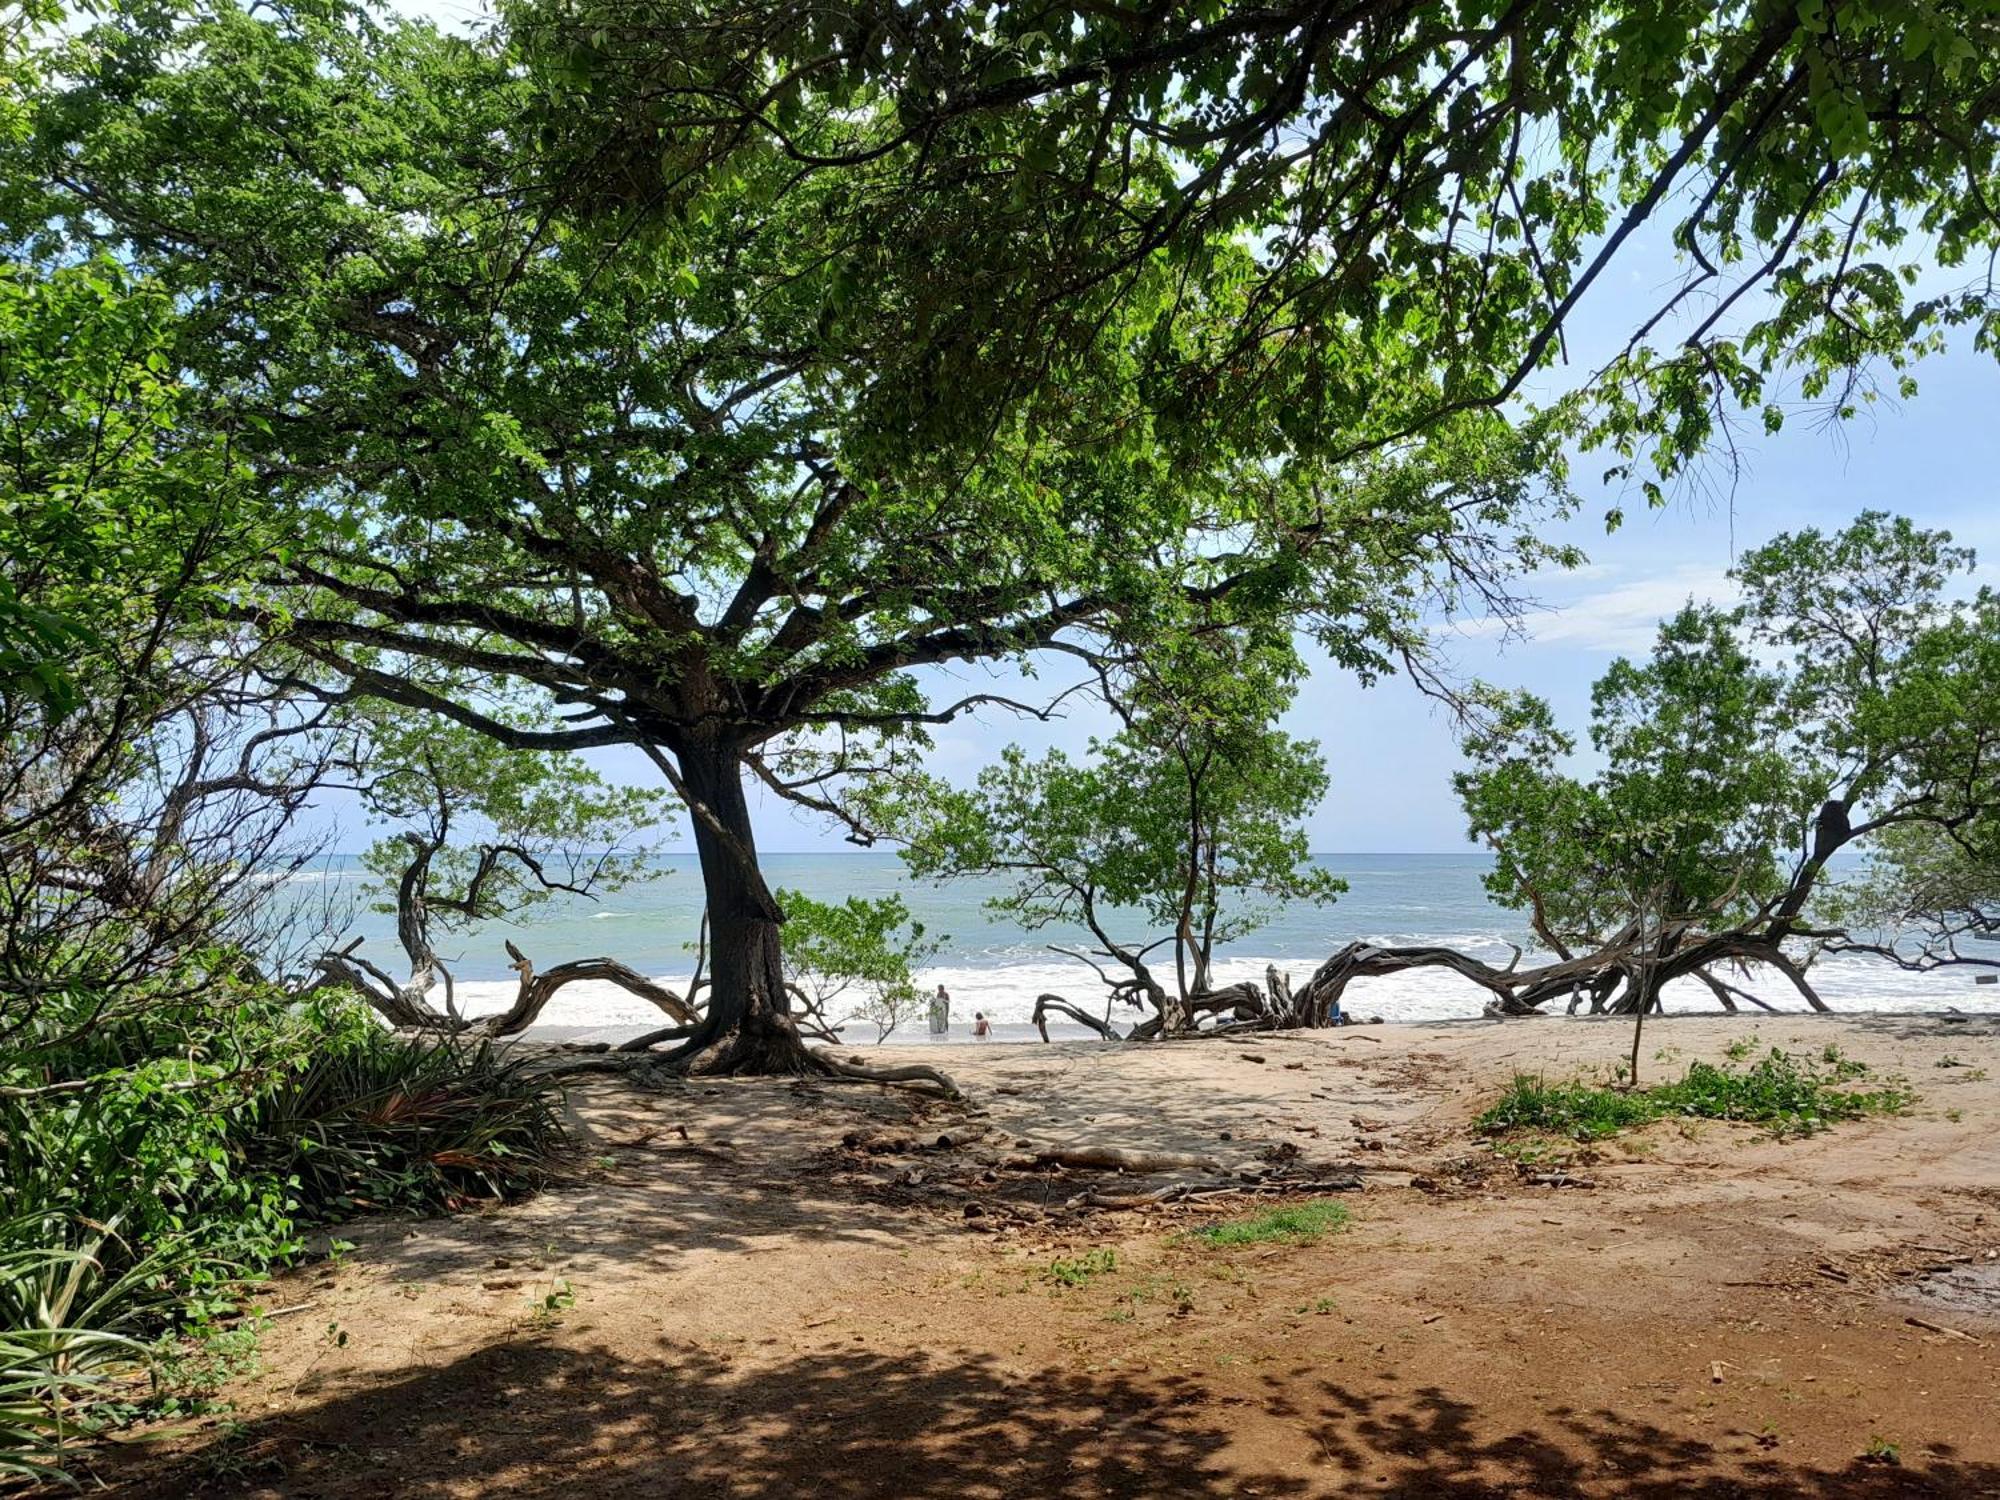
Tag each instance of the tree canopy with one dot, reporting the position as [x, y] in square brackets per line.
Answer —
[1419, 195]
[636, 475]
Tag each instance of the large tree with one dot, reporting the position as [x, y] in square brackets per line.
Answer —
[717, 461]
[642, 477]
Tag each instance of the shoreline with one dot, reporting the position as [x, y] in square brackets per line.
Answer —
[1982, 1022]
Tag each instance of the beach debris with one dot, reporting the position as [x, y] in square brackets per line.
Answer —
[1560, 1180]
[879, 1142]
[1957, 1333]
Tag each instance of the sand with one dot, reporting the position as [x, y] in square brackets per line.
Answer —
[729, 1302]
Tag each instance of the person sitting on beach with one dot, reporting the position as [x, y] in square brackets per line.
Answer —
[980, 1026]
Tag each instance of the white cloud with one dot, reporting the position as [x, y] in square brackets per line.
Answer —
[1622, 618]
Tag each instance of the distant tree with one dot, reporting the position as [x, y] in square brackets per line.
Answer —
[485, 834]
[866, 948]
[1186, 823]
[1848, 707]
[1926, 894]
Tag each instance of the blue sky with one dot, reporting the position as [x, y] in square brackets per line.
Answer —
[1390, 751]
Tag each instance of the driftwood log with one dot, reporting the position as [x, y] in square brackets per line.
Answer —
[534, 990]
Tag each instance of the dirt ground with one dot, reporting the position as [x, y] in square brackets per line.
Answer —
[730, 1302]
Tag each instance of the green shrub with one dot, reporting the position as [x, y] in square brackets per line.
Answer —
[394, 1124]
[1581, 1111]
[1787, 1094]
[146, 1170]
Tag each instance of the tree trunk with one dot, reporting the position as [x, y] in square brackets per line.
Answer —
[748, 1027]
[1644, 991]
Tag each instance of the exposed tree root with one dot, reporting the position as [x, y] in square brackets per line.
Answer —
[1046, 1003]
[904, 1073]
[1195, 1192]
[536, 990]
[1118, 1159]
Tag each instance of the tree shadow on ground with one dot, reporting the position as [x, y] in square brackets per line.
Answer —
[736, 1165]
[650, 1189]
[1428, 1445]
[530, 1418]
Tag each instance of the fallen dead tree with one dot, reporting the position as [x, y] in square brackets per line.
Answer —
[1605, 980]
[1242, 1006]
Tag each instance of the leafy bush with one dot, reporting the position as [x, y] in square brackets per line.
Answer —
[1581, 1111]
[1787, 1094]
[149, 1166]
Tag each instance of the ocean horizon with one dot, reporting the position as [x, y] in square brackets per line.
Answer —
[993, 965]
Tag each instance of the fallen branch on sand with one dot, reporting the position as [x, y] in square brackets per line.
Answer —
[856, 1071]
[1118, 1159]
[1190, 1192]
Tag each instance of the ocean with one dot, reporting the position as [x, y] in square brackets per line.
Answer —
[991, 965]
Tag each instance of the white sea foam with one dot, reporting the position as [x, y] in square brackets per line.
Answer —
[1006, 994]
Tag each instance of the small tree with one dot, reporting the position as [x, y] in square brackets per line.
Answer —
[485, 834]
[1187, 820]
[1849, 705]
[863, 943]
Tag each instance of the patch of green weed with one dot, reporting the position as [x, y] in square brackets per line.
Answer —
[1294, 1222]
[1079, 1270]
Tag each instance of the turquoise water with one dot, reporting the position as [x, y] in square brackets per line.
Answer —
[991, 964]
[1391, 898]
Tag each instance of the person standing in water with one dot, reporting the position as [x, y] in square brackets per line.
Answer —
[940, 1012]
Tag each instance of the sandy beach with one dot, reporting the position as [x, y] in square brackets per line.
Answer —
[772, 1288]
